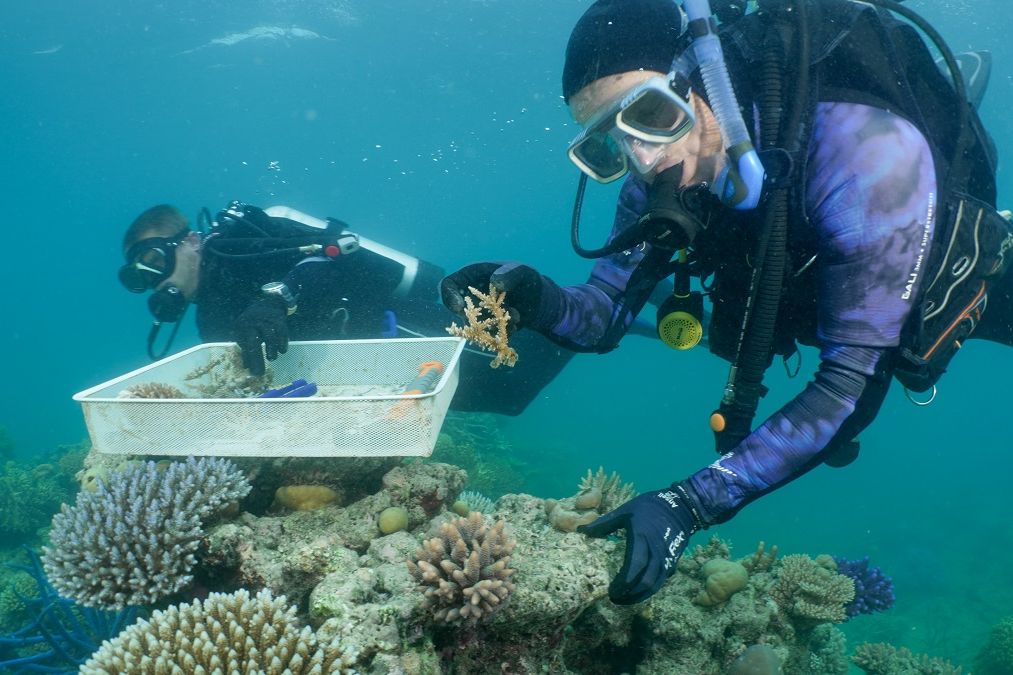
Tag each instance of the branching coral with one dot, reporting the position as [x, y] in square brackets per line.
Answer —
[487, 325]
[598, 493]
[884, 659]
[873, 589]
[762, 559]
[464, 570]
[811, 593]
[151, 390]
[996, 656]
[226, 633]
[614, 492]
[225, 376]
[470, 500]
[132, 541]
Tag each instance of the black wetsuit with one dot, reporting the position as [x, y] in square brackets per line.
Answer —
[358, 295]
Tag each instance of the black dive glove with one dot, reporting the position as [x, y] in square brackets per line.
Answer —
[658, 526]
[264, 322]
[533, 300]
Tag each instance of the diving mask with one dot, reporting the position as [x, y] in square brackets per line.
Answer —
[150, 261]
[635, 129]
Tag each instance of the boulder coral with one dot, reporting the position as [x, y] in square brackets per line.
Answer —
[722, 578]
[304, 497]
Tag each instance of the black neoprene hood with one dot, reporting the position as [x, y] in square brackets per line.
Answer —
[616, 36]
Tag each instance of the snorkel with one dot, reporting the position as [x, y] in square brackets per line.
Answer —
[741, 181]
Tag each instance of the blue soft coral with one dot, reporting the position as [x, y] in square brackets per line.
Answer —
[61, 635]
[873, 589]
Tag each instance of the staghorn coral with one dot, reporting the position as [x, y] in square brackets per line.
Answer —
[598, 493]
[470, 500]
[226, 633]
[811, 593]
[132, 540]
[884, 659]
[614, 492]
[762, 559]
[151, 390]
[465, 569]
[225, 376]
[487, 325]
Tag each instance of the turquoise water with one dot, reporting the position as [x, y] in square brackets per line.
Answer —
[436, 127]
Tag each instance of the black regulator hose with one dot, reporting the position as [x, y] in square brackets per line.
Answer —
[770, 258]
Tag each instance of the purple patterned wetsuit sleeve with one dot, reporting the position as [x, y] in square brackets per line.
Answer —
[587, 310]
[871, 196]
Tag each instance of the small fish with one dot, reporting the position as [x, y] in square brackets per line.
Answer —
[51, 50]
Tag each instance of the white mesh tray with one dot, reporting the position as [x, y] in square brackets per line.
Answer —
[358, 411]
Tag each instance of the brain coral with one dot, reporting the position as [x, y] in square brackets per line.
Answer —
[132, 540]
[464, 569]
[226, 633]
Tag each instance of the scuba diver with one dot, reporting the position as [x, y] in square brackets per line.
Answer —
[261, 277]
[810, 170]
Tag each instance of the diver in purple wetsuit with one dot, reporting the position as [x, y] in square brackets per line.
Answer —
[861, 191]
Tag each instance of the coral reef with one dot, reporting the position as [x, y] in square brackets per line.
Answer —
[996, 656]
[687, 637]
[226, 633]
[59, 636]
[29, 496]
[598, 493]
[873, 589]
[132, 541]
[470, 500]
[487, 325]
[884, 659]
[811, 591]
[465, 569]
[356, 584]
[151, 390]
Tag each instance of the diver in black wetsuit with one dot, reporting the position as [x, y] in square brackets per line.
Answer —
[261, 277]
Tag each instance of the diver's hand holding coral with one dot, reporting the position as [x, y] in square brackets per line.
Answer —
[264, 322]
[533, 300]
[658, 525]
